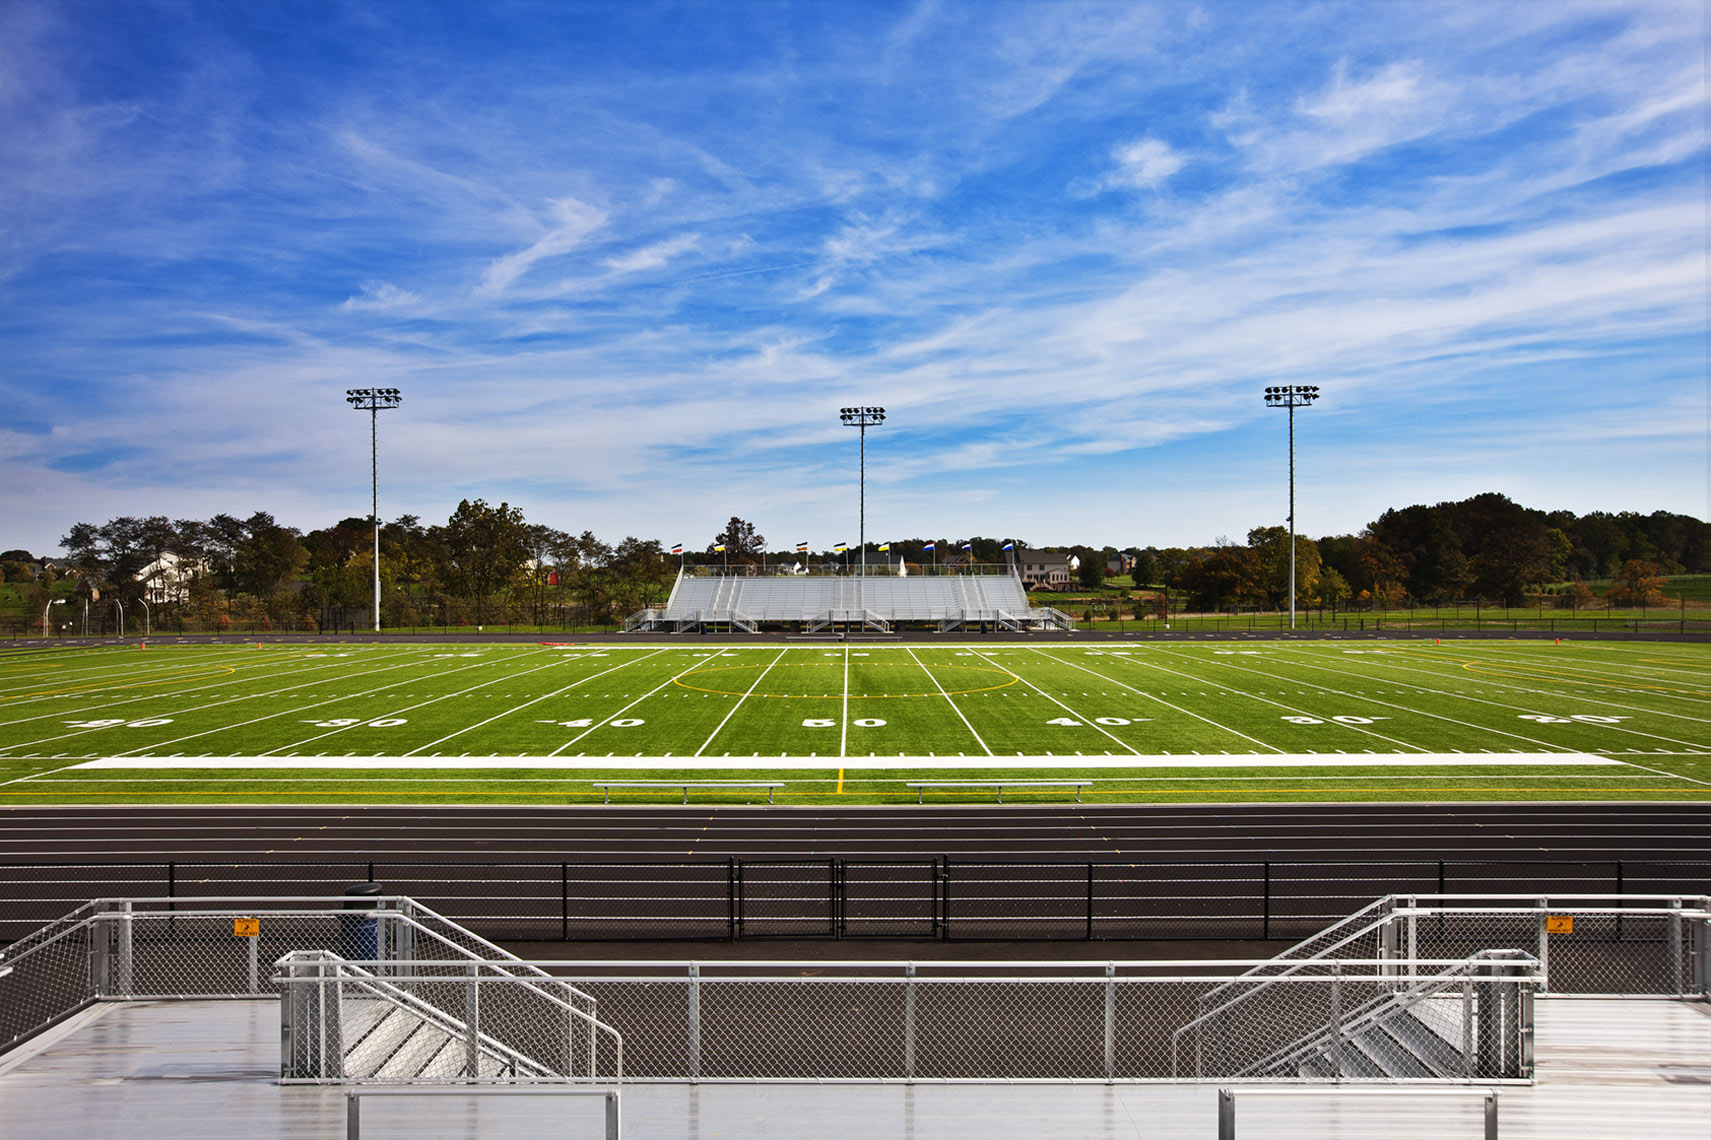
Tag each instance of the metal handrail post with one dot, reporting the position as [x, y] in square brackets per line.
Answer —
[1110, 1021]
[472, 1021]
[1226, 1114]
[694, 1021]
[909, 1022]
[1677, 982]
[1543, 933]
[1467, 1027]
[1337, 1020]
[126, 964]
[1702, 957]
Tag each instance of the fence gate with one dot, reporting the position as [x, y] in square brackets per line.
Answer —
[787, 898]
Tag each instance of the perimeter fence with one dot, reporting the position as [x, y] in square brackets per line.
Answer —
[929, 898]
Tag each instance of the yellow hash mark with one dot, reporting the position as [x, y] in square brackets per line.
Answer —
[853, 696]
[222, 671]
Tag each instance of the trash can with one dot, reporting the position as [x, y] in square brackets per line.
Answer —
[359, 935]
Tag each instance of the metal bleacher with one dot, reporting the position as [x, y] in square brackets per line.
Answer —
[991, 598]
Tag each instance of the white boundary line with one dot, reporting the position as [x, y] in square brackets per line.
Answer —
[844, 721]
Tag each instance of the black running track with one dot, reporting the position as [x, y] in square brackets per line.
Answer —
[590, 874]
[1352, 832]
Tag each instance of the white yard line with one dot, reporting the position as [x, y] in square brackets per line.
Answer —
[1161, 700]
[1086, 720]
[1268, 701]
[213, 683]
[977, 737]
[1529, 655]
[600, 722]
[1446, 672]
[741, 699]
[305, 708]
[1311, 663]
[525, 704]
[199, 708]
[159, 662]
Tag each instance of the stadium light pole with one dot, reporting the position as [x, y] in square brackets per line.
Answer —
[862, 418]
[374, 401]
[1291, 396]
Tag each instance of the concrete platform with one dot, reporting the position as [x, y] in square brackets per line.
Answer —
[1607, 1069]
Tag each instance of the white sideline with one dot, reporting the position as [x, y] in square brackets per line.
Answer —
[607, 763]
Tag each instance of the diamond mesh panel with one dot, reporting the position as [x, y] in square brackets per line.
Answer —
[820, 1028]
[49, 978]
[1010, 1029]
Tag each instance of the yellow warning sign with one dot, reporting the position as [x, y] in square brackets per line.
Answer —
[1559, 924]
[246, 927]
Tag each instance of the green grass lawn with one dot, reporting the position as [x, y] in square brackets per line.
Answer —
[1145, 722]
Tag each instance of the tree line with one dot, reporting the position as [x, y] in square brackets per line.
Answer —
[1484, 548]
[487, 564]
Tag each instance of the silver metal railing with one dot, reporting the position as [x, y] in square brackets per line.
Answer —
[427, 1022]
[1040, 1021]
[164, 948]
[1588, 945]
[1473, 1020]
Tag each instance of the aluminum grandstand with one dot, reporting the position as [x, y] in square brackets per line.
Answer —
[811, 599]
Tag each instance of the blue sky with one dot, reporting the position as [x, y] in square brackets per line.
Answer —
[627, 260]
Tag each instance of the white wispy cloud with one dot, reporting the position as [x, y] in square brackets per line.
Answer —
[571, 222]
[1421, 215]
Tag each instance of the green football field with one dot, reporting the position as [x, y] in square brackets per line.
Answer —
[1170, 722]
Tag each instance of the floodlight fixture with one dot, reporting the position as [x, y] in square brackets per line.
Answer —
[1291, 396]
[374, 401]
[862, 419]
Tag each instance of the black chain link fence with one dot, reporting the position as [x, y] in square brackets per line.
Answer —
[943, 898]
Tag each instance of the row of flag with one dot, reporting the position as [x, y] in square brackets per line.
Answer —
[842, 547]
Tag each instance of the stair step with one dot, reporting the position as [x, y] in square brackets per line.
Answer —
[387, 1034]
[416, 1054]
[1390, 1055]
[1425, 1042]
